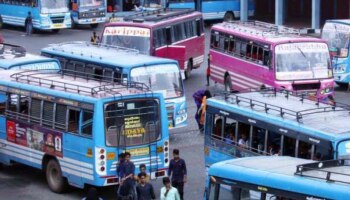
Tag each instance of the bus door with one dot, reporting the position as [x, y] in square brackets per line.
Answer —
[78, 142]
[176, 52]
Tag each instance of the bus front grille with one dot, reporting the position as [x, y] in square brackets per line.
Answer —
[306, 86]
[57, 20]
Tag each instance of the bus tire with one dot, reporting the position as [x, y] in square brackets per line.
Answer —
[228, 83]
[188, 70]
[57, 183]
[56, 30]
[229, 16]
[1, 22]
[94, 25]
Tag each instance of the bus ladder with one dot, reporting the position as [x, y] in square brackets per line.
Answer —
[153, 151]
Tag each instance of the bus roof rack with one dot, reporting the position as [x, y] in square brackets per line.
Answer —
[158, 14]
[58, 79]
[60, 47]
[263, 29]
[9, 51]
[235, 98]
[331, 171]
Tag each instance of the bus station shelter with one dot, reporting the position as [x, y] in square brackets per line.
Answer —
[304, 13]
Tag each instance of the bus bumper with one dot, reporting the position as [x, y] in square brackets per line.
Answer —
[91, 20]
[342, 77]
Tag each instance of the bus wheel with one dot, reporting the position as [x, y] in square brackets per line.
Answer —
[188, 70]
[229, 16]
[228, 83]
[54, 178]
[94, 25]
[56, 30]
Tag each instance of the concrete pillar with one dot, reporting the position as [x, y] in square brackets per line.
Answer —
[316, 14]
[279, 12]
[244, 10]
[335, 9]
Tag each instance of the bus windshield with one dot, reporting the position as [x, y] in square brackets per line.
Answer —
[337, 37]
[91, 3]
[298, 61]
[129, 37]
[53, 6]
[132, 122]
[165, 78]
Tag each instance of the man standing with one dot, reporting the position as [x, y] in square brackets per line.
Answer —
[29, 23]
[178, 172]
[144, 189]
[128, 183]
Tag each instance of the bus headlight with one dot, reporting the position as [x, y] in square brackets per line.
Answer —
[181, 118]
[45, 21]
[181, 111]
[326, 90]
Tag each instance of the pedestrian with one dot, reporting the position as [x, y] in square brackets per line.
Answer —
[178, 172]
[127, 185]
[95, 39]
[29, 23]
[92, 195]
[203, 109]
[113, 18]
[168, 192]
[208, 70]
[142, 168]
[144, 189]
[198, 96]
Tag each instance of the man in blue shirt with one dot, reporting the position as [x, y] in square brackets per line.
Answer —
[178, 172]
[127, 181]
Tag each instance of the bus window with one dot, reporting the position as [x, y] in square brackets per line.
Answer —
[108, 75]
[322, 153]
[86, 126]
[179, 32]
[238, 47]
[169, 35]
[226, 44]
[48, 111]
[2, 102]
[73, 120]
[35, 110]
[289, 145]
[12, 102]
[70, 67]
[98, 73]
[199, 27]
[60, 117]
[258, 140]
[304, 150]
[248, 54]
[267, 57]
[243, 134]
[189, 29]
[221, 46]
[217, 130]
[230, 131]
[231, 47]
[214, 40]
[89, 69]
[79, 68]
[273, 143]
[255, 53]
[260, 55]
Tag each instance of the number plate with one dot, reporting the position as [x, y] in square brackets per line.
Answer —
[139, 151]
[58, 25]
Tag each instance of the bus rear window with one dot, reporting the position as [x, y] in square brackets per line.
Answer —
[132, 122]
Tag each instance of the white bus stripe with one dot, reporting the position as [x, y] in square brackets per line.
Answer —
[75, 173]
[21, 156]
[239, 75]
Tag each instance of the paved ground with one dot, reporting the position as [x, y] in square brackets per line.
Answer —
[21, 182]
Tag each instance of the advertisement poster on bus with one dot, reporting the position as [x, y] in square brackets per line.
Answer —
[133, 127]
[35, 137]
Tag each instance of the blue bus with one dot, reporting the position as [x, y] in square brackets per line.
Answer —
[15, 57]
[227, 10]
[270, 122]
[278, 177]
[159, 74]
[47, 14]
[337, 35]
[90, 12]
[74, 127]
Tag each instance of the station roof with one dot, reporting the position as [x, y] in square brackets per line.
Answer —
[12, 55]
[109, 55]
[59, 83]
[279, 107]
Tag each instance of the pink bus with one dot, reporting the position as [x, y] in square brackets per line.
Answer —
[170, 33]
[254, 54]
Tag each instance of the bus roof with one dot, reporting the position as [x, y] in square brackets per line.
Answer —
[283, 172]
[293, 112]
[108, 55]
[12, 55]
[58, 83]
[158, 17]
[265, 32]
[340, 21]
